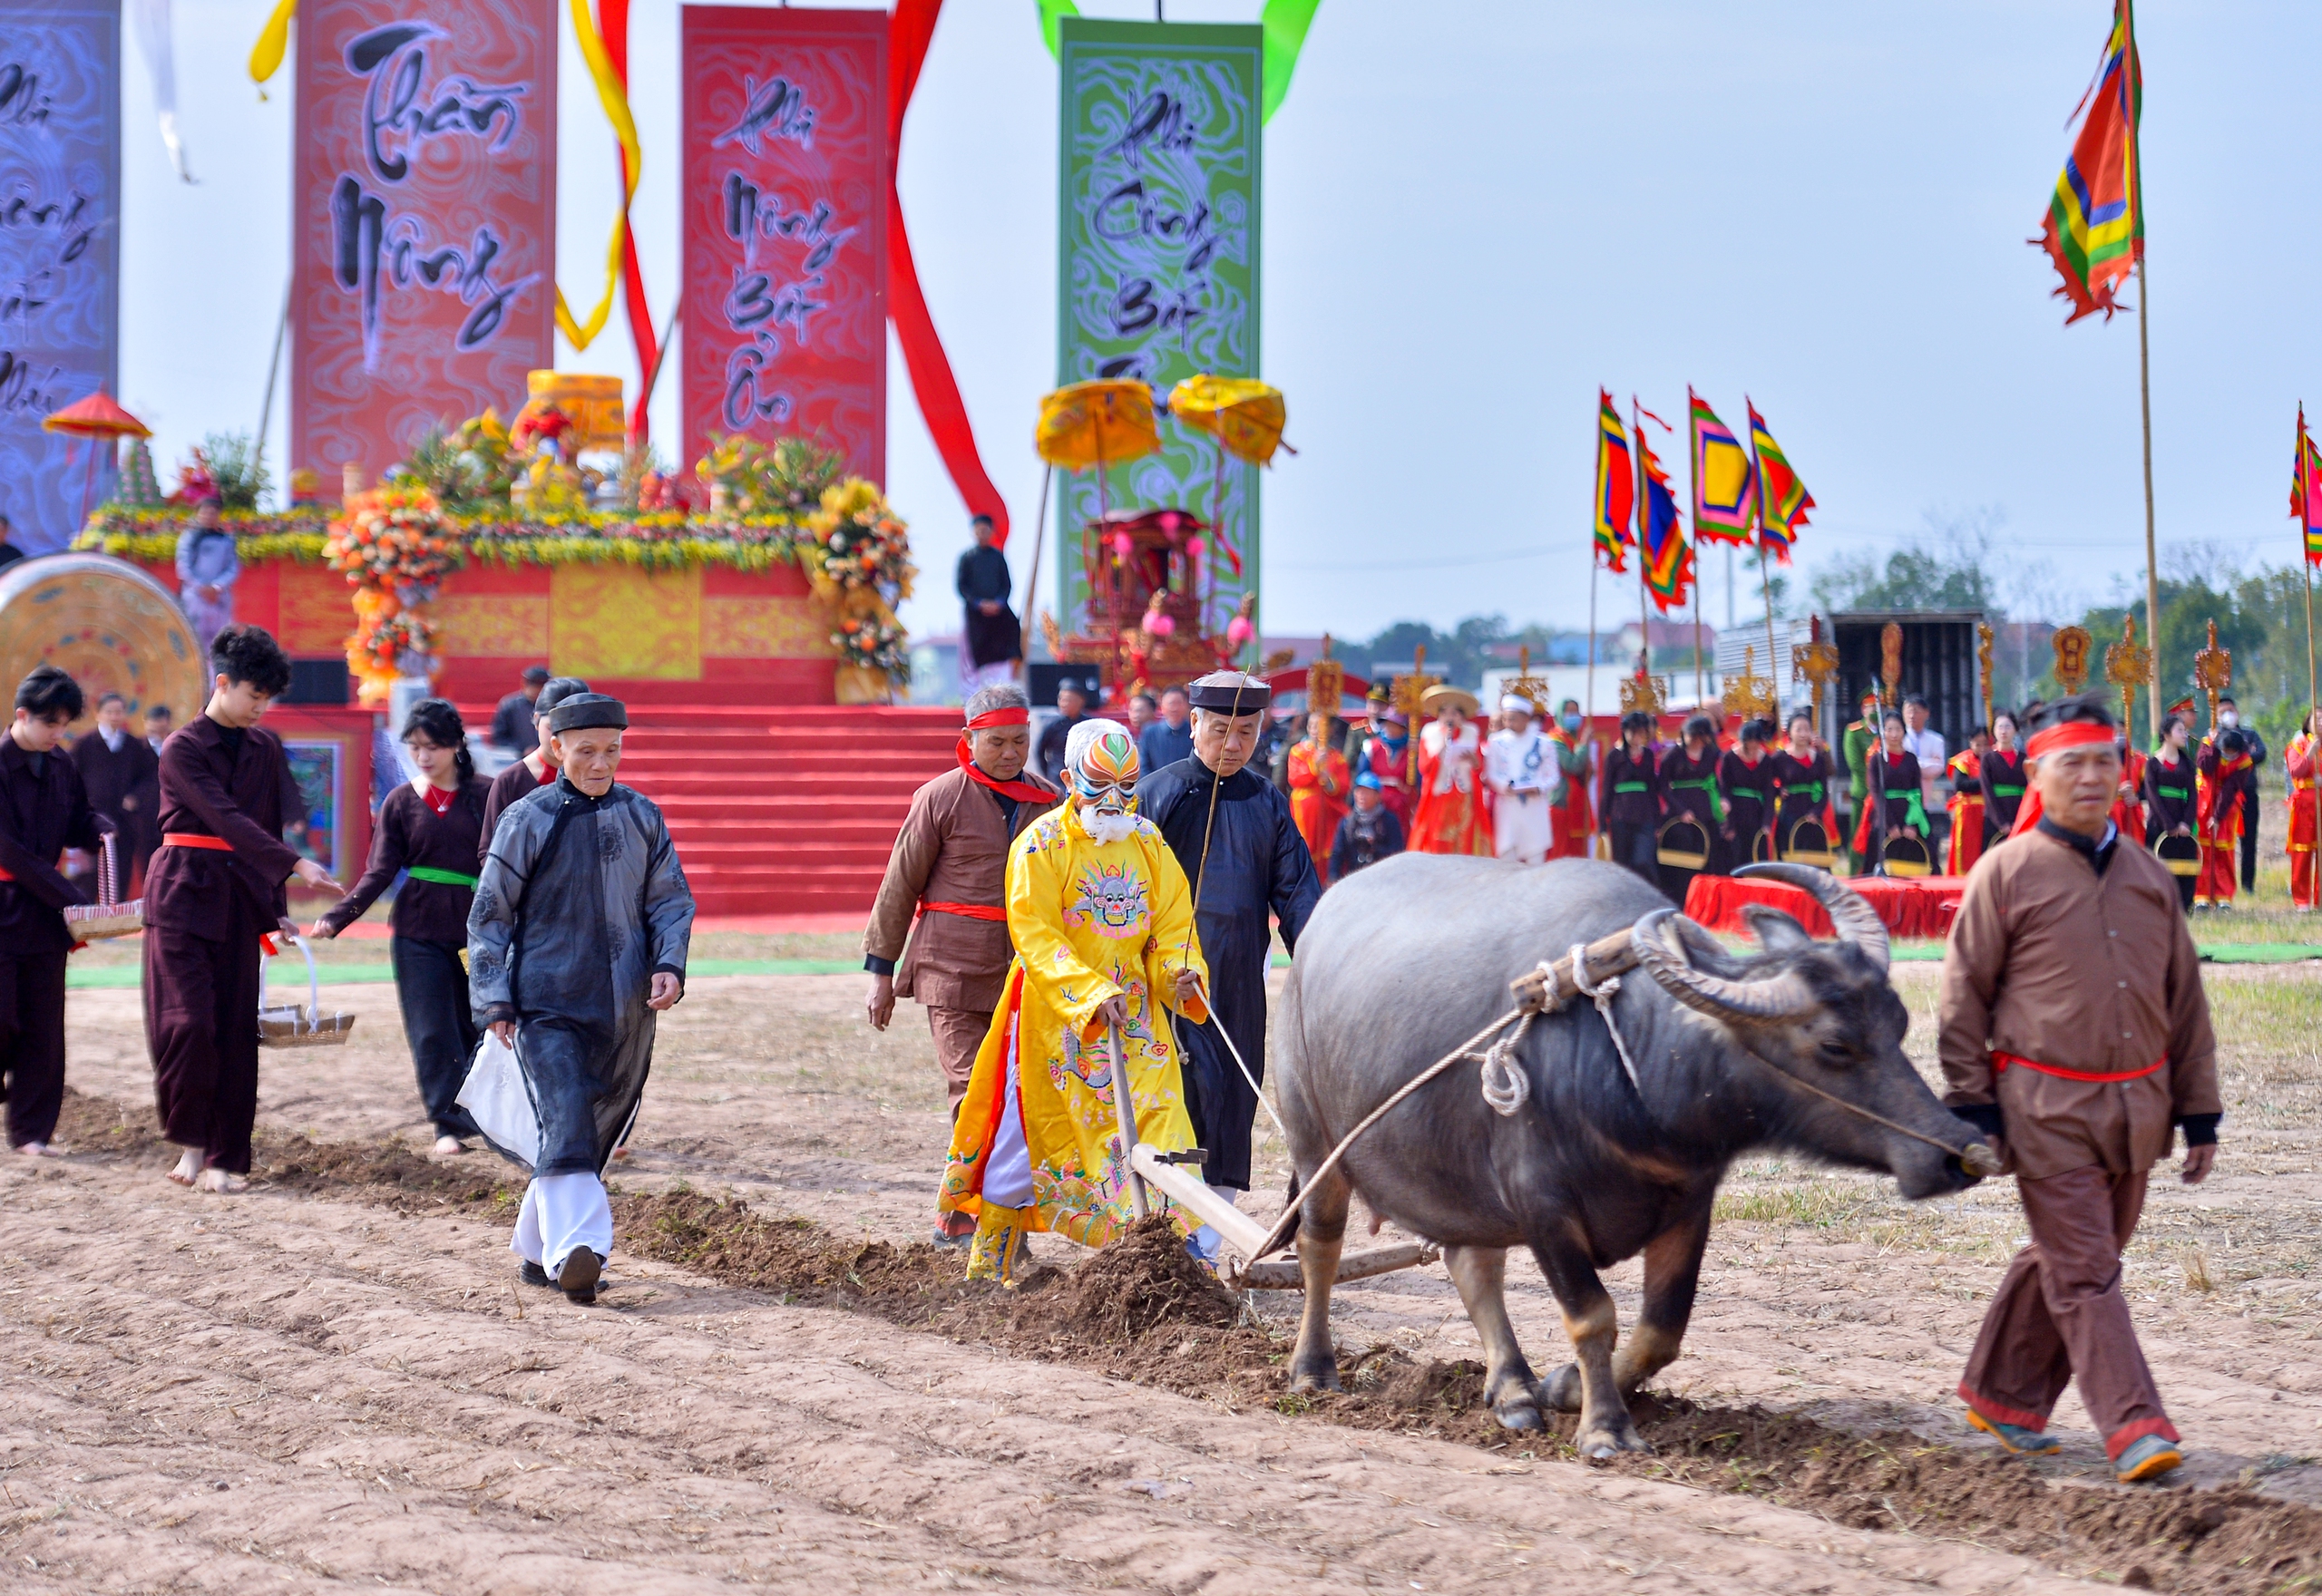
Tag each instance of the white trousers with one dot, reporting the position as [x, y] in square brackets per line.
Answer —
[561, 1213]
[1008, 1178]
[1519, 828]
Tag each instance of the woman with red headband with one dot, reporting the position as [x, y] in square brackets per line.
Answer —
[945, 891]
[2075, 1034]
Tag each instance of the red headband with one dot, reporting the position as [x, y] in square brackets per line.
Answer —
[1000, 717]
[2071, 734]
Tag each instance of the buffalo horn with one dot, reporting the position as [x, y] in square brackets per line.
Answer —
[1849, 910]
[1775, 1000]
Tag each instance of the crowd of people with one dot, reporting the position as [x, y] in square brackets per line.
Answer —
[1888, 799]
[547, 907]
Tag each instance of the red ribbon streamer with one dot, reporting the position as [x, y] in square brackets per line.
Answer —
[1022, 791]
[946, 413]
[612, 26]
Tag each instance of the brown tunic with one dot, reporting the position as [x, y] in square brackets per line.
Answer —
[126, 788]
[952, 848]
[2048, 960]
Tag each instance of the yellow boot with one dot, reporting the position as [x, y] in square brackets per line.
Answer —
[999, 1250]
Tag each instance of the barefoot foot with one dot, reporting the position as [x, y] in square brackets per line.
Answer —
[40, 1149]
[188, 1168]
[223, 1181]
[447, 1145]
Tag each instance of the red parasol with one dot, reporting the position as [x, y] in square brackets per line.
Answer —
[97, 416]
[93, 418]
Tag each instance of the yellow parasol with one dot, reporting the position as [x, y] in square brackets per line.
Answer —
[1096, 423]
[1244, 415]
[1093, 424]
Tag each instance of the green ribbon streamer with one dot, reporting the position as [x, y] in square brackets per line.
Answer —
[1285, 23]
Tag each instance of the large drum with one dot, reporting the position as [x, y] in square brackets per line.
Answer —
[114, 628]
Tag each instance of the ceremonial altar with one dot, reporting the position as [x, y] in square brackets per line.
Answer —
[1921, 908]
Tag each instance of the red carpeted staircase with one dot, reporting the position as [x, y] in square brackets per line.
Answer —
[783, 809]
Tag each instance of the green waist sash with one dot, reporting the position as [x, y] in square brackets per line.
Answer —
[2179, 793]
[1632, 786]
[2000, 792]
[442, 878]
[1804, 789]
[1703, 785]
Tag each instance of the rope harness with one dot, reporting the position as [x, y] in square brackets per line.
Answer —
[1591, 970]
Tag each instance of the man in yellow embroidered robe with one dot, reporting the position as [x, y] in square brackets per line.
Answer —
[1101, 917]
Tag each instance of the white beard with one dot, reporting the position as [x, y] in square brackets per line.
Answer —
[1107, 825]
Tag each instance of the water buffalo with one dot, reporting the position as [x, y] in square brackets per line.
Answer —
[1407, 960]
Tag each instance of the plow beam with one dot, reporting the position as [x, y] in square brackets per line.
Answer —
[1246, 1235]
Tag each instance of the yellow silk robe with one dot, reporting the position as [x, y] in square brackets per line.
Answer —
[1089, 922]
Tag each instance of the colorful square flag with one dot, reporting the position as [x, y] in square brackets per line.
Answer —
[1725, 487]
[2306, 490]
[1668, 559]
[1784, 497]
[1615, 484]
[2095, 230]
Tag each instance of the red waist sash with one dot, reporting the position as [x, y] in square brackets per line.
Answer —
[967, 910]
[2003, 1062]
[218, 845]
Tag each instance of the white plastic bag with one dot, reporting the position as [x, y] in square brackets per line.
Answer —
[496, 1098]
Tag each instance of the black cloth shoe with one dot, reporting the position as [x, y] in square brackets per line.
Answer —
[578, 1279]
[532, 1274]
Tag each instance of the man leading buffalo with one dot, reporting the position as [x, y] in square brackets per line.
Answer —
[1231, 831]
[2076, 1033]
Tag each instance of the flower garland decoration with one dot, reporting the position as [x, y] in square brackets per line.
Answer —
[876, 646]
[395, 545]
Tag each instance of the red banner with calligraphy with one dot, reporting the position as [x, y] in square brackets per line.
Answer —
[424, 222]
[784, 218]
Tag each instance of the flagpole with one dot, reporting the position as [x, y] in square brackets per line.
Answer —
[2152, 567]
[1644, 516]
[1765, 583]
[1591, 620]
[1693, 474]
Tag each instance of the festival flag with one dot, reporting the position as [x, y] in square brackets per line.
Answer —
[2306, 490]
[1725, 488]
[1667, 560]
[2094, 231]
[1615, 484]
[1782, 499]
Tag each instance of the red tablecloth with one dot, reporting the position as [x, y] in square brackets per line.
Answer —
[1919, 907]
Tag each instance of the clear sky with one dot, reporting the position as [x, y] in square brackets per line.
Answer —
[1477, 212]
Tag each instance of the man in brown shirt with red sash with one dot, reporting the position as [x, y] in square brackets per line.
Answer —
[2076, 1033]
[949, 870]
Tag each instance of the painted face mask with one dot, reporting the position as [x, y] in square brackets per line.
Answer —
[1104, 785]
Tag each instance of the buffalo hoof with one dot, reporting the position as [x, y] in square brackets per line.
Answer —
[1517, 1413]
[1308, 1378]
[1603, 1442]
[1561, 1390]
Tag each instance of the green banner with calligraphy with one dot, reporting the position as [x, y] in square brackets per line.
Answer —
[1158, 280]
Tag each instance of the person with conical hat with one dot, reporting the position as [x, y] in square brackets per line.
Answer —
[577, 942]
[1450, 817]
[1102, 921]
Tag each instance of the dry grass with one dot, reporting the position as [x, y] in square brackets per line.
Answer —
[2235, 1240]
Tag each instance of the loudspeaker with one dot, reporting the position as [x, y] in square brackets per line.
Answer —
[317, 681]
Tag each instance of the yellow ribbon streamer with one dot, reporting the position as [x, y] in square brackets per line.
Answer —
[273, 41]
[615, 100]
[266, 56]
